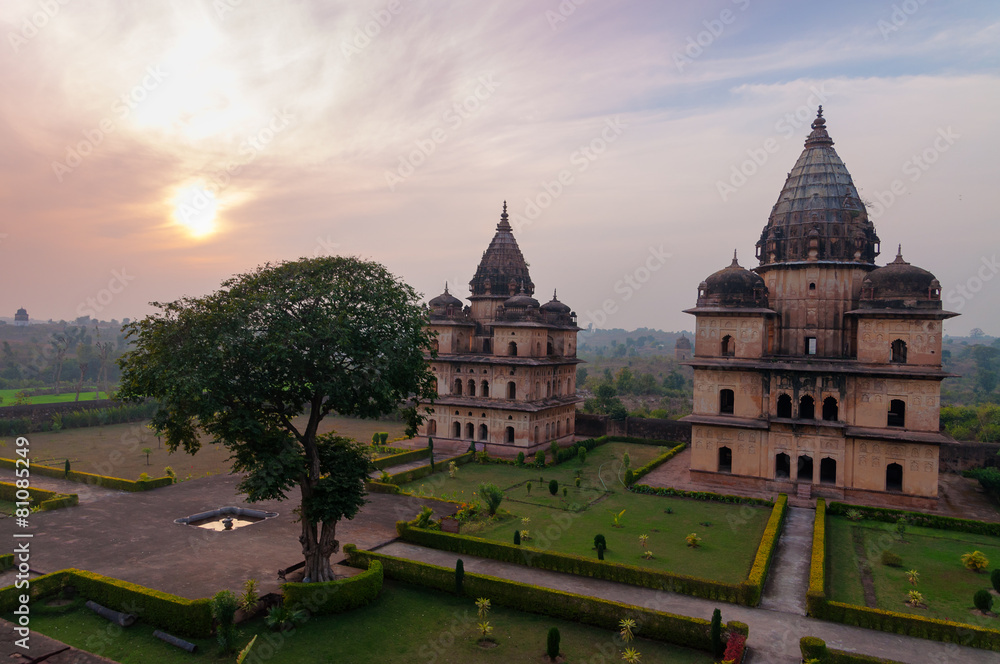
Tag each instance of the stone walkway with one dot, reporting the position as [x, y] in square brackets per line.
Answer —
[774, 634]
[88, 493]
[788, 578]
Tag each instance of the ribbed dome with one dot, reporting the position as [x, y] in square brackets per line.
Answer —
[502, 269]
[734, 286]
[555, 306]
[900, 285]
[444, 300]
[819, 214]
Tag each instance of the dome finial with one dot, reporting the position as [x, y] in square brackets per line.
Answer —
[446, 288]
[735, 262]
[504, 225]
[554, 295]
[899, 256]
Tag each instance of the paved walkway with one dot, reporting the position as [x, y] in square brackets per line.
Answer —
[774, 634]
[788, 578]
[88, 493]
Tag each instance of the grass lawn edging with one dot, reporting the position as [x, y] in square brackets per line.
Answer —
[747, 592]
[90, 478]
[44, 499]
[919, 519]
[336, 596]
[407, 476]
[819, 606]
[642, 471]
[401, 458]
[652, 624]
[177, 615]
[815, 648]
[671, 492]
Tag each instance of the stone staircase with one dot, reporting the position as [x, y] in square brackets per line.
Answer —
[804, 491]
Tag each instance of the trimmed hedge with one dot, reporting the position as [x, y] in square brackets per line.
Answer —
[381, 487]
[44, 499]
[6, 561]
[819, 606]
[423, 471]
[642, 471]
[699, 495]
[740, 593]
[90, 478]
[336, 596]
[171, 613]
[652, 624]
[813, 647]
[765, 552]
[919, 519]
[401, 458]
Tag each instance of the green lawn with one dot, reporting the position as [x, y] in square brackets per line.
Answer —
[405, 625]
[8, 397]
[946, 585]
[568, 524]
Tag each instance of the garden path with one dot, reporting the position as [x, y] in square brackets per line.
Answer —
[88, 493]
[788, 578]
[774, 634]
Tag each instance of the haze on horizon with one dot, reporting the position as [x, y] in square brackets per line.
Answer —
[152, 150]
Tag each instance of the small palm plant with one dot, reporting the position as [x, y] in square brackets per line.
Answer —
[631, 655]
[617, 519]
[648, 555]
[693, 540]
[482, 607]
[642, 540]
[915, 598]
[625, 627]
[912, 576]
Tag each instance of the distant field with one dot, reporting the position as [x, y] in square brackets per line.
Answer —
[115, 450]
[8, 397]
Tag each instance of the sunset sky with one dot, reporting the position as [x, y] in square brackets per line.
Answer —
[149, 150]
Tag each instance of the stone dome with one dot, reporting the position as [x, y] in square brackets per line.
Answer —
[554, 306]
[683, 343]
[502, 268]
[900, 285]
[445, 300]
[521, 301]
[733, 286]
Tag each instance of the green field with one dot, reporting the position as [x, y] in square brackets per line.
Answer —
[568, 524]
[404, 625]
[8, 397]
[946, 585]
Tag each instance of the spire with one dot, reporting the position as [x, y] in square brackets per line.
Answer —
[899, 257]
[735, 262]
[818, 137]
[504, 225]
[446, 288]
[554, 298]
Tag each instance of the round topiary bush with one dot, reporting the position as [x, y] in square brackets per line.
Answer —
[553, 487]
[600, 541]
[983, 600]
[520, 458]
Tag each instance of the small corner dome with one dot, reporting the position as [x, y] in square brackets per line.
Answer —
[445, 300]
[555, 306]
[900, 285]
[683, 343]
[733, 286]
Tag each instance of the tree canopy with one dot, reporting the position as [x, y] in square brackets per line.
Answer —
[314, 336]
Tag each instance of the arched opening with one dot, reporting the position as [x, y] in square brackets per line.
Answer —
[548, 389]
[484, 432]
[897, 353]
[784, 405]
[456, 430]
[558, 429]
[432, 427]
[470, 431]
[894, 477]
[484, 388]
[512, 349]
[725, 460]
[830, 409]
[472, 388]
[807, 408]
[457, 391]
[549, 349]
[782, 466]
[548, 431]
[538, 348]
[569, 428]
[728, 346]
[511, 390]
[897, 413]
[727, 402]
[805, 470]
[827, 471]
[537, 439]
[538, 390]
[487, 346]
[510, 434]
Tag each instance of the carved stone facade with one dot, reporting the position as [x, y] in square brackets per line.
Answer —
[819, 368]
[505, 366]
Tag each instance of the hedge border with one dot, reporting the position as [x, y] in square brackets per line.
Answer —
[819, 606]
[6, 561]
[406, 476]
[671, 492]
[814, 647]
[177, 615]
[335, 596]
[747, 592]
[401, 458]
[652, 624]
[642, 471]
[919, 519]
[90, 478]
[44, 499]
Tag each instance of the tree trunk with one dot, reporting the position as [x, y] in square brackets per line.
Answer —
[318, 544]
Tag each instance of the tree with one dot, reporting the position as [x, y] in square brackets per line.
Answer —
[309, 337]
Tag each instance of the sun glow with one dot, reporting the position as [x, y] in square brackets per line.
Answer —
[195, 211]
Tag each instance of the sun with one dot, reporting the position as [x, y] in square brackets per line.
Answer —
[195, 210]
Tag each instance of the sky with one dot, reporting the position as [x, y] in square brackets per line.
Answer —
[148, 151]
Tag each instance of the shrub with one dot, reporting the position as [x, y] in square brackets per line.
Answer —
[168, 471]
[629, 477]
[995, 579]
[375, 438]
[552, 644]
[383, 437]
[280, 618]
[565, 492]
[517, 538]
[224, 605]
[338, 596]
[249, 597]
[554, 450]
[735, 646]
[693, 540]
[520, 458]
[483, 457]
[424, 517]
[891, 559]
[983, 600]
[915, 598]
[912, 576]
[528, 486]
[66, 469]
[577, 482]
[553, 487]
[493, 495]
[975, 561]
[540, 459]
[715, 634]
[626, 460]
[600, 552]
[854, 515]
[430, 444]
[459, 576]
[599, 540]
[581, 454]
